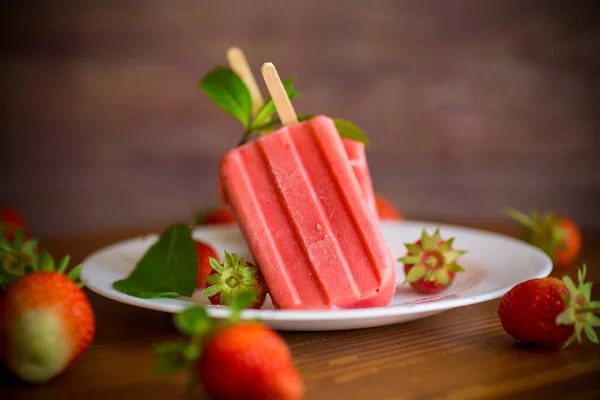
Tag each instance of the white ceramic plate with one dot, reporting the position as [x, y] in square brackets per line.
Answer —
[494, 263]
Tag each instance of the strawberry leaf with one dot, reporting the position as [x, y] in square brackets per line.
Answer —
[415, 274]
[409, 259]
[590, 333]
[74, 273]
[172, 357]
[170, 266]
[215, 264]
[230, 93]
[413, 249]
[268, 107]
[213, 289]
[18, 237]
[425, 240]
[455, 268]
[46, 262]
[241, 300]
[193, 321]
[63, 264]
[347, 130]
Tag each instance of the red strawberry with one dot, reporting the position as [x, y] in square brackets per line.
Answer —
[256, 356]
[555, 235]
[550, 312]
[430, 265]
[46, 324]
[10, 221]
[386, 210]
[204, 252]
[231, 277]
[233, 360]
[216, 216]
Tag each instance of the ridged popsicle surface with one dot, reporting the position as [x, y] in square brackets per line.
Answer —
[306, 222]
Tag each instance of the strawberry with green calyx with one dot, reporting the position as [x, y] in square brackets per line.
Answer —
[550, 312]
[430, 265]
[18, 257]
[555, 235]
[232, 359]
[46, 322]
[231, 277]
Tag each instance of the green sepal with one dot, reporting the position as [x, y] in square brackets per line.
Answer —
[413, 248]
[425, 240]
[211, 290]
[415, 273]
[74, 273]
[409, 259]
[46, 262]
[193, 321]
[63, 264]
[455, 268]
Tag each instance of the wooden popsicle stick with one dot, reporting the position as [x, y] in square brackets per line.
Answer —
[239, 64]
[280, 98]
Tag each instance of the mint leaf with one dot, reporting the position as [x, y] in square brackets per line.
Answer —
[348, 130]
[193, 321]
[132, 289]
[230, 93]
[268, 108]
[168, 269]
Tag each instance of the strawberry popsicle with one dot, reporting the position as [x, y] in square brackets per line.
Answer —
[358, 161]
[303, 215]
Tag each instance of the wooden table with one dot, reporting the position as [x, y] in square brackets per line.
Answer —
[459, 354]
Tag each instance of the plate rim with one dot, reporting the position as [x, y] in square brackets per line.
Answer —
[318, 315]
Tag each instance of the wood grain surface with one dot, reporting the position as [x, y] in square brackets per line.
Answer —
[459, 354]
[470, 105]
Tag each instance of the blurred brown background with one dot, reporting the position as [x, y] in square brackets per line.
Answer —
[470, 105]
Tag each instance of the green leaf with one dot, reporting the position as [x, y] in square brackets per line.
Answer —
[453, 255]
[46, 262]
[168, 269]
[212, 279]
[63, 264]
[132, 289]
[18, 237]
[193, 321]
[74, 273]
[268, 107]
[425, 242]
[567, 317]
[211, 290]
[590, 333]
[593, 320]
[447, 245]
[230, 93]
[409, 259]
[216, 265]
[240, 301]
[455, 268]
[348, 130]
[443, 277]
[170, 348]
[414, 249]
[29, 246]
[415, 274]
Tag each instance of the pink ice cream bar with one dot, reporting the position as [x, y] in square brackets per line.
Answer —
[302, 212]
[358, 161]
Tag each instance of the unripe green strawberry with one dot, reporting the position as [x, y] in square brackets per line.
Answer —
[46, 324]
